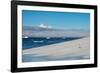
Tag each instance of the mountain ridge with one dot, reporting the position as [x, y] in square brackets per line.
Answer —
[36, 31]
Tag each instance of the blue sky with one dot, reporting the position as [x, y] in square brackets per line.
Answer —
[58, 20]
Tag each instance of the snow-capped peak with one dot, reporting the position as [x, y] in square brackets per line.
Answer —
[44, 26]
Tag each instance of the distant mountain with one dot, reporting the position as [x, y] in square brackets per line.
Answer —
[37, 28]
[44, 26]
[45, 31]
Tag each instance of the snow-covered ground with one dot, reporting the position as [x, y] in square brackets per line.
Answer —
[76, 48]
